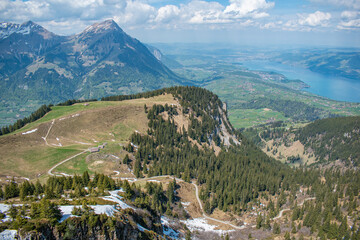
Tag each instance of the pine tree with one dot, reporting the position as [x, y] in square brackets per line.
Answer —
[126, 159]
[276, 228]
[259, 221]
[287, 236]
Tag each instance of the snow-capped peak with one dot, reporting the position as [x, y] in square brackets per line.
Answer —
[6, 29]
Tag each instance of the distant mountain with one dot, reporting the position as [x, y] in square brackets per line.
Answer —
[342, 63]
[42, 67]
[21, 45]
[169, 62]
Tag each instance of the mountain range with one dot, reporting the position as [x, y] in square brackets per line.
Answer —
[38, 66]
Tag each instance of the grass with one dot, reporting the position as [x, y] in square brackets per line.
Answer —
[76, 165]
[245, 118]
[112, 122]
[31, 161]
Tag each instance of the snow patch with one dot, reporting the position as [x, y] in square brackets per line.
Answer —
[157, 181]
[114, 197]
[200, 224]
[141, 228]
[8, 234]
[167, 230]
[31, 131]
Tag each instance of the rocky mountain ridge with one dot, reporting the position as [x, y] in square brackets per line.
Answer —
[38, 66]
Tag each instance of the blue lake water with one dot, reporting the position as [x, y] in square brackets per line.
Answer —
[333, 87]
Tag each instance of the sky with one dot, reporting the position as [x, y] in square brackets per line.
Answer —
[248, 22]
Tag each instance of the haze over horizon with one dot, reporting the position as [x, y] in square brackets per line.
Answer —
[248, 22]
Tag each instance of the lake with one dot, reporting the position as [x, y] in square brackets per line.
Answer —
[333, 87]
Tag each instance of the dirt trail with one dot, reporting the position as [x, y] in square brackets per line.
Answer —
[58, 164]
[288, 209]
[210, 218]
[47, 134]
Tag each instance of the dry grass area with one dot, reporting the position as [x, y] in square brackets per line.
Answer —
[75, 129]
[186, 192]
[296, 148]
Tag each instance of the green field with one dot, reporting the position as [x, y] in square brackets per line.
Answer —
[244, 118]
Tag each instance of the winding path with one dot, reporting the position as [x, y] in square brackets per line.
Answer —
[210, 218]
[288, 209]
[58, 164]
[64, 161]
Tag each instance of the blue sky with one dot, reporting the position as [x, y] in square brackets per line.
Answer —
[249, 22]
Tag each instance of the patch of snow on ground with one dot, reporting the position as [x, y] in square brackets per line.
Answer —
[186, 203]
[157, 181]
[98, 209]
[167, 230]
[66, 212]
[141, 228]
[8, 234]
[114, 197]
[4, 207]
[31, 131]
[128, 179]
[115, 157]
[117, 172]
[200, 224]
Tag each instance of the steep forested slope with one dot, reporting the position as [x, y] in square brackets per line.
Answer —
[333, 139]
[237, 175]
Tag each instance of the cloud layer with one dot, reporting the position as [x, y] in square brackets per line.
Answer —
[69, 16]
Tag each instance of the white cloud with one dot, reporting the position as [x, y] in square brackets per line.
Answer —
[199, 12]
[355, 23]
[350, 14]
[61, 15]
[137, 13]
[248, 8]
[167, 13]
[272, 25]
[352, 4]
[314, 19]
[350, 20]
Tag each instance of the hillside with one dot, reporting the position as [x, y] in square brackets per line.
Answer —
[39, 67]
[184, 161]
[331, 141]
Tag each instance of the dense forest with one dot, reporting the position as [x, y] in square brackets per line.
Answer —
[333, 139]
